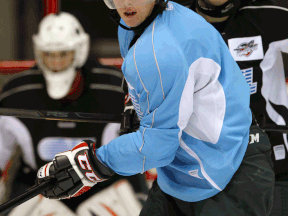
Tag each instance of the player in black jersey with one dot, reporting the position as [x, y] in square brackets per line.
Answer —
[64, 80]
[254, 32]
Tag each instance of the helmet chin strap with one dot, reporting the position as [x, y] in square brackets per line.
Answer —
[217, 11]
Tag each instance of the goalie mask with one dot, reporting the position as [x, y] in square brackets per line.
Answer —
[61, 45]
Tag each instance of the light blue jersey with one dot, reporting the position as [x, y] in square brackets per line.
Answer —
[193, 103]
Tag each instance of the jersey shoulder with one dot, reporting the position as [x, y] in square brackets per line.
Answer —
[25, 79]
[23, 89]
[268, 17]
[192, 32]
[103, 77]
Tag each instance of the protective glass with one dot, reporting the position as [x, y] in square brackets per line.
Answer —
[116, 4]
[57, 61]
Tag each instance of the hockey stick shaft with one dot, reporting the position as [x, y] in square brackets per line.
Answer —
[29, 194]
[275, 128]
[61, 115]
[90, 117]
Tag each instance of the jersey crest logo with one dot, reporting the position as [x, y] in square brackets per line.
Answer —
[248, 74]
[246, 49]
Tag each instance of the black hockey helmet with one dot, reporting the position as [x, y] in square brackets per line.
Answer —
[217, 11]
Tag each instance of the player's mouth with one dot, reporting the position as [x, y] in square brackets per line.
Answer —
[129, 14]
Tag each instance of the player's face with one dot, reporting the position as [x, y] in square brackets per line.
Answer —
[57, 60]
[134, 14]
[217, 2]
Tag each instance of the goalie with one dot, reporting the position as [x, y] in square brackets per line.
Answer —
[63, 80]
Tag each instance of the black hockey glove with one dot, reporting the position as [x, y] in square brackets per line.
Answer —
[130, 121]
[75, 171]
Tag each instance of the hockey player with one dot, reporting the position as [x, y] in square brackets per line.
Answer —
[193, 104]
[65, 81]
[248, 28]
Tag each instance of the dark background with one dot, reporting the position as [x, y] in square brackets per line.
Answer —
[21, 22]
[20, 18]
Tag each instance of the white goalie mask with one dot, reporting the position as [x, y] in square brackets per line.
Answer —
[61, 45]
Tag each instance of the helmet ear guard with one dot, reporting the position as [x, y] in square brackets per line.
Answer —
[217, 11]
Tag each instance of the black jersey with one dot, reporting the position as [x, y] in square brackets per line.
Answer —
[256, 35]
[40, 140]
[102, 93]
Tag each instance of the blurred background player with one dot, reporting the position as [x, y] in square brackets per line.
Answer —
[252, 30]
[63, 80]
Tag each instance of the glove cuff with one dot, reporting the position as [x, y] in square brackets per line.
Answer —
[104, 172]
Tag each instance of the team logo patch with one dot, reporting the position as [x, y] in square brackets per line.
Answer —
[248, 74]
[246, 49]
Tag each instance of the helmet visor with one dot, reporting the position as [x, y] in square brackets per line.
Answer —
[116, 4]
[57, 61]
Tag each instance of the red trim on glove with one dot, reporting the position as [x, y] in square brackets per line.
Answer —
[45, 170]
[80, 145]
[83, 190]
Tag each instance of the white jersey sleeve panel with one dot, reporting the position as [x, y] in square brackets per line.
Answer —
[14, 132]
[209, 106]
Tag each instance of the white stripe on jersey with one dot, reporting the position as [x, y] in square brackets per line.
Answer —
[20, 89]
[264, 6]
